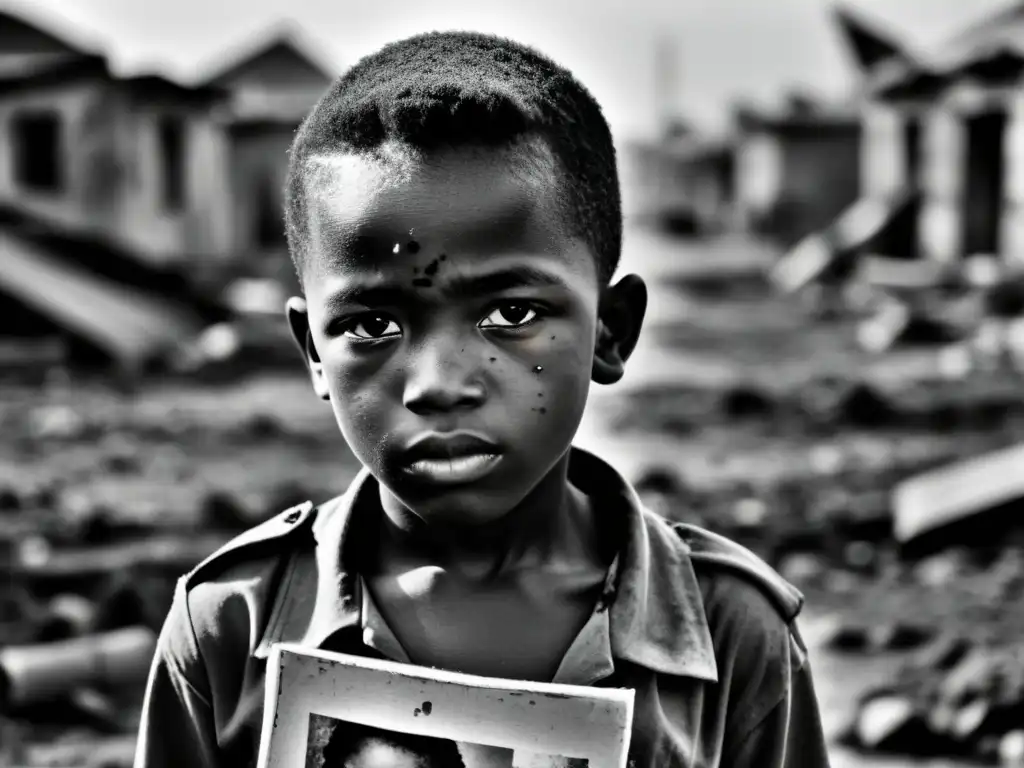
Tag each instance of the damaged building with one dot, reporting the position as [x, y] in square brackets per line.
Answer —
[123, 198]
[948, 125]
[942, 159]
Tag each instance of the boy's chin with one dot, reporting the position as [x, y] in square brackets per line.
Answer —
[459, 508]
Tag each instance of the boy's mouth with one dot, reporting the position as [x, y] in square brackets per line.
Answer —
[463, 469]
[457, 457]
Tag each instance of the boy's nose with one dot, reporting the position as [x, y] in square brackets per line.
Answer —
[439, 379]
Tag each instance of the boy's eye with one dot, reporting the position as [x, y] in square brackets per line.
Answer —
[371, 327]
[510, 315]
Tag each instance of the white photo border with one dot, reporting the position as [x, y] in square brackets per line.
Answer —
[573, 721]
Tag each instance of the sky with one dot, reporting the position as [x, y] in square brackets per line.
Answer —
[724, 50]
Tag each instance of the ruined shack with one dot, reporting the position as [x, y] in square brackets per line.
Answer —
[138, 197]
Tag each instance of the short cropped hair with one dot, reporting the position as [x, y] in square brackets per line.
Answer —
[348, 739]
[465, 89]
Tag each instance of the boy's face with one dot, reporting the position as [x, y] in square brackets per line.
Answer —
[452, 324]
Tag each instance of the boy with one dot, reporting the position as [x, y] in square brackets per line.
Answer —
[454, 216]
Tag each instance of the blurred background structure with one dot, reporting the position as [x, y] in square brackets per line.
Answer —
[827, 206]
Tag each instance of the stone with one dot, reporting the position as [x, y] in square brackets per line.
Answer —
[1011, 749]
[750, 512]
[56, 423]
[860, 556]
[67, 616]
[942, 569]
[969, 720]
[842, 582]
[801, 567]
[827, 460]
[34, 551]
[891, 723]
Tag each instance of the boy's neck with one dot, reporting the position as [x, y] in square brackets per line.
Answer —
[554, 525]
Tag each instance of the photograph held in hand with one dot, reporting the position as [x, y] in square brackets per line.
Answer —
[332, 710]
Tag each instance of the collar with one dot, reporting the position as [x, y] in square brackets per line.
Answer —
[653, 601]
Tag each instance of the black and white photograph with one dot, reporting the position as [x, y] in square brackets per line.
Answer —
[660, 352]
[327, 710]
[344, 744]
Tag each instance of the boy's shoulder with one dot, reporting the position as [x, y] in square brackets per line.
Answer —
[217, 603]
[717, 558]
[269, 539]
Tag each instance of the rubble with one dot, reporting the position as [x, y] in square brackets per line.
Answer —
[970, 708]
[891, 724]
[92, 556]
[105, 501]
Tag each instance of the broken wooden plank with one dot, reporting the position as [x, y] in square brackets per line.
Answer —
[958, 501]
[125, 323]
[164, 553]
[901, 274]
[855, 229]
[32, 674]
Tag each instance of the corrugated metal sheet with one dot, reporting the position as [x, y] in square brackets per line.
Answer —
[129, 326]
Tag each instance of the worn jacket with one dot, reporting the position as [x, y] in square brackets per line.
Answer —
[698, 626]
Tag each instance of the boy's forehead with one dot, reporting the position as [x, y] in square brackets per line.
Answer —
[364, 207]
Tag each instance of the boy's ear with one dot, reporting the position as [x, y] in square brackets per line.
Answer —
[620, 316]
[298, 321]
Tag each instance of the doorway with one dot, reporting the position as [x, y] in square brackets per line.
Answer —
[983, 189]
